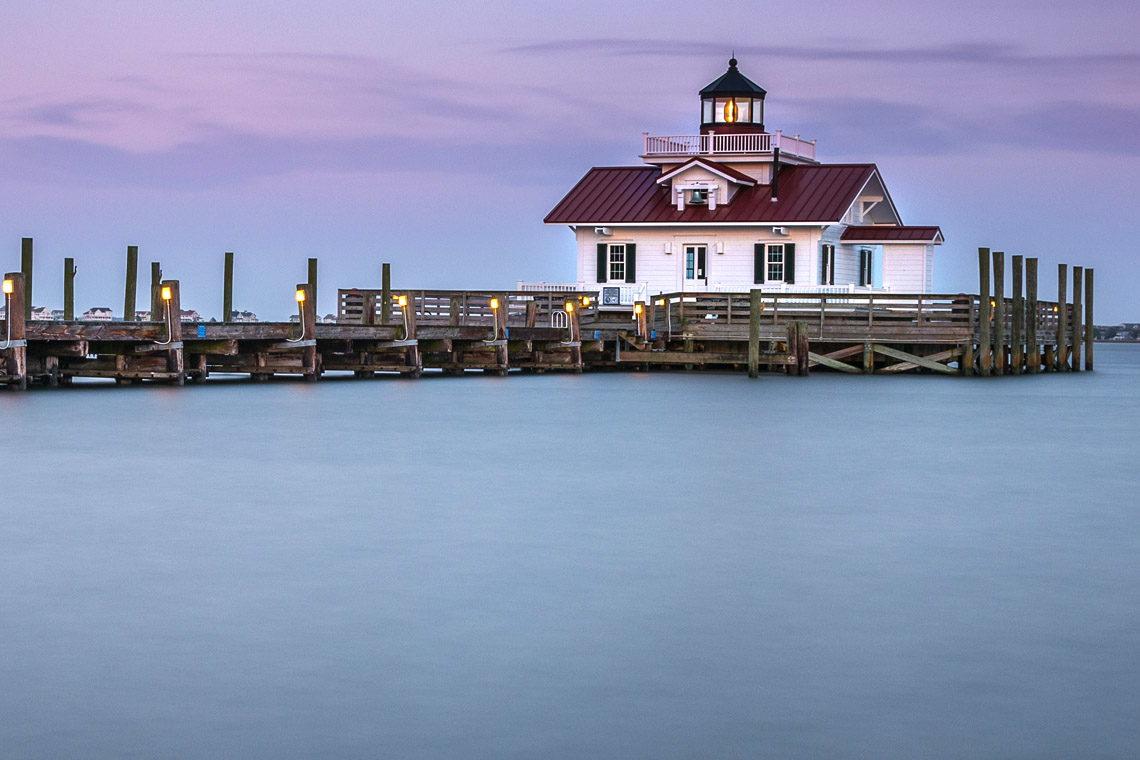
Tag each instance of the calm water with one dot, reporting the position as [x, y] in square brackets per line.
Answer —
[601, 566]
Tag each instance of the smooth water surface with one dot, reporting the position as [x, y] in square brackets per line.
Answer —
[660, 565]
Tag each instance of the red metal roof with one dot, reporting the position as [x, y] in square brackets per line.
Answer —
[901, 233]
[630, 195]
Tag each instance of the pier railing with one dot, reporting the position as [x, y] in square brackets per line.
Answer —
[463, 308]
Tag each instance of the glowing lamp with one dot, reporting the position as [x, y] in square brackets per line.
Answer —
[660, 301]
[9, 286]
[402, 301]
[300, 296]
[167, 293]
[494, 303]
[569, 307]
[637, 308]
[585, 300]
[731, 111]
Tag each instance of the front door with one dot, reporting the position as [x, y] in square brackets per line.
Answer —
[693, 261]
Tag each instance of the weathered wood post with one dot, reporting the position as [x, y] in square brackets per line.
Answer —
[413, 358]
[132, 283]
[385, 293]
[26, 266]
[574, 319]
[793, 344]
[1061, 356]
[308, 320]
[313, 284]
[1090, 326]
[803, 347]
[69, 271]
[368, 309]
[640, 318]
[985, 314]
[502, 357]
[1078, 333]
[1032, 310]
[1017, 333]
[228, 287]
[15, 332]
[999, 313]
[754, 311]
[175, 356]
[155, 291]
[532, 312]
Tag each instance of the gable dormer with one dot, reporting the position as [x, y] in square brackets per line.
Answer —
[873, 205]
[701, 182]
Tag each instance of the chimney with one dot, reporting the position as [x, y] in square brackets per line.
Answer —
[775, 173]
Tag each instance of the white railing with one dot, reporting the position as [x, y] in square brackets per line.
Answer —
[694, 145]
[609, 294]
[781, 287]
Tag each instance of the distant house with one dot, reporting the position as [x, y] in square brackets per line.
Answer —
[142, 316]
[189, 315]
[42, 313]
[736, 207]
[57, 315]
[98, 314]
[329, 319]
[242, 316]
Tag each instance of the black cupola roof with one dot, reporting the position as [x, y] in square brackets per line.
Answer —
[733, 84]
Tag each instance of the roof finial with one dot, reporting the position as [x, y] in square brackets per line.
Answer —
[732, 60]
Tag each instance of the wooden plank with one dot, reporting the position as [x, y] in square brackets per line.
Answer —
[941, 356]
[919, 361]
[700, 357]
[827, 361]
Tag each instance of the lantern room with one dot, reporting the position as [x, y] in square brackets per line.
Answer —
[733, 104]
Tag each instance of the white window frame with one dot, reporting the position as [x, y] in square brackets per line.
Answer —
[768, 263]
[696, 262]
[613, 262]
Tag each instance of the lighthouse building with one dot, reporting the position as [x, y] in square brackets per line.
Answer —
[737, 207]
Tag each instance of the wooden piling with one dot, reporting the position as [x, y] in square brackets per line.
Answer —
[999, 313]
[502, 356]
[228, 287]
[385, 293]
[1061, 355]
[1090, 331]
[132, 281]
[69, 271]
[308, 323]
[803, 350]
[1032, 348]
[26, 266]
[313, 283]
[155, 292]
[15, 333]
[754, 311]
[985, 314]
[641, 317]
[574, 320]
[175, 356]
[1017, 325]
[1078, 333]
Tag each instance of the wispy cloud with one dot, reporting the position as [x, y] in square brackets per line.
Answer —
[841, 50]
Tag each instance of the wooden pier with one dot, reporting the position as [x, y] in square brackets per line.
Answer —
[406, 332]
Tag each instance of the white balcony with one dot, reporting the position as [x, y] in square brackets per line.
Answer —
[728, 145]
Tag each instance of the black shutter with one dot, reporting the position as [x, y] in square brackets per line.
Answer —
[630, 262]
[790, 263]
[758, 263]
[870, 265]
[823, 265]
[701, 261]
[831, 264]
[603, 262]
[864, 267]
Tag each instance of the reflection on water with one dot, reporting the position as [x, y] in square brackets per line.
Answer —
[635, 565]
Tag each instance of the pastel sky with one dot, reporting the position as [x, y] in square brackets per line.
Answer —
[436, 135]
